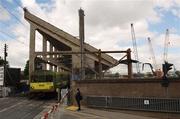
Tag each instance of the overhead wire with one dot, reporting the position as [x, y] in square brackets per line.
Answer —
[12, 37]
[23, 10]
[13, 15]
[18, 4]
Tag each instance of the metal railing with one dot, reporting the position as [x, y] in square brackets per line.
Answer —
[136, 103]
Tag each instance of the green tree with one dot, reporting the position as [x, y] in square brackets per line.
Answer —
[26, 69]
[178, 73]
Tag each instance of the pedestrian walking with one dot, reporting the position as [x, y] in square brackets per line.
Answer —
[78, 97]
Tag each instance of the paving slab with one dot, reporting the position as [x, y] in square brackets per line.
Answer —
[64, 112]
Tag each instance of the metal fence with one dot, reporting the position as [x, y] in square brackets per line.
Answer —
[136, 103]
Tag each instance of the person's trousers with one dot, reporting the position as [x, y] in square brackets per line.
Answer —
[79, 105]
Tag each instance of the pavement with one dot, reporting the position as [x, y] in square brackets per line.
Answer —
[64, 112]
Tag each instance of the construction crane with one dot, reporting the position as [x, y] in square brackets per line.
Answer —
[152, 53]
[166, 43]
[156, 72]
[135, 48]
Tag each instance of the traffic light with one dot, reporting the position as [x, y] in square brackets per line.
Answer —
[166, 67]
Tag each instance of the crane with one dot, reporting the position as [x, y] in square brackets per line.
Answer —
[150, 65]
[135, 48]
[166, 43]
[152, 53]
[157, 72]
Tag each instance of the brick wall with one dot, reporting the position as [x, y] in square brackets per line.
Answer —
[127, 88]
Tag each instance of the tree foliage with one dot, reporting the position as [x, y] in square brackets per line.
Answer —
[26, 69]
[178, 73]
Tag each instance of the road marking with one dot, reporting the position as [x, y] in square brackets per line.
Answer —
[11, 107]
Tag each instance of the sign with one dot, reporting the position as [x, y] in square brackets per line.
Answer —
[1, 76]
[146, 102]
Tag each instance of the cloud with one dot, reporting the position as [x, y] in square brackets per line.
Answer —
[164, 4]
[169, 5]
[122, 12]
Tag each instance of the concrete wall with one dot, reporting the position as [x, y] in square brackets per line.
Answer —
[127, 88]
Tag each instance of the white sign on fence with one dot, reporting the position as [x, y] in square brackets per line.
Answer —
[146, 102]
[1, 76]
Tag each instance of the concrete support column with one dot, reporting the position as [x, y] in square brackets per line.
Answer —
[76, 65]
[51, 56]
[55, 56]
[31, 51]
[55, 68]
[59, 69]
[129, 63]
[44, 50]
[100, 64]
[81, 36]
[76, 62]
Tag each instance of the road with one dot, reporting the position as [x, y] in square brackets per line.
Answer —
[21, 107]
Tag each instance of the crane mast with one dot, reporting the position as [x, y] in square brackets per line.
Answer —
[166, 43]
[152, 53]
[135, 48]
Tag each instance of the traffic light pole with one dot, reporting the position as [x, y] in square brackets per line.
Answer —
[5, 64]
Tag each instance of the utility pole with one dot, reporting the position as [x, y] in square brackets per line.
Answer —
[5, 64]
[81, 36]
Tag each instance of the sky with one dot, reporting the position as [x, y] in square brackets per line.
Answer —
[107, 26]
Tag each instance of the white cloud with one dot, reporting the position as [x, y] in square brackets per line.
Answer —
[169, 5]
[164, 4]
[122, 12]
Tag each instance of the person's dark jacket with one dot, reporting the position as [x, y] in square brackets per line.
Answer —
[78, 96]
